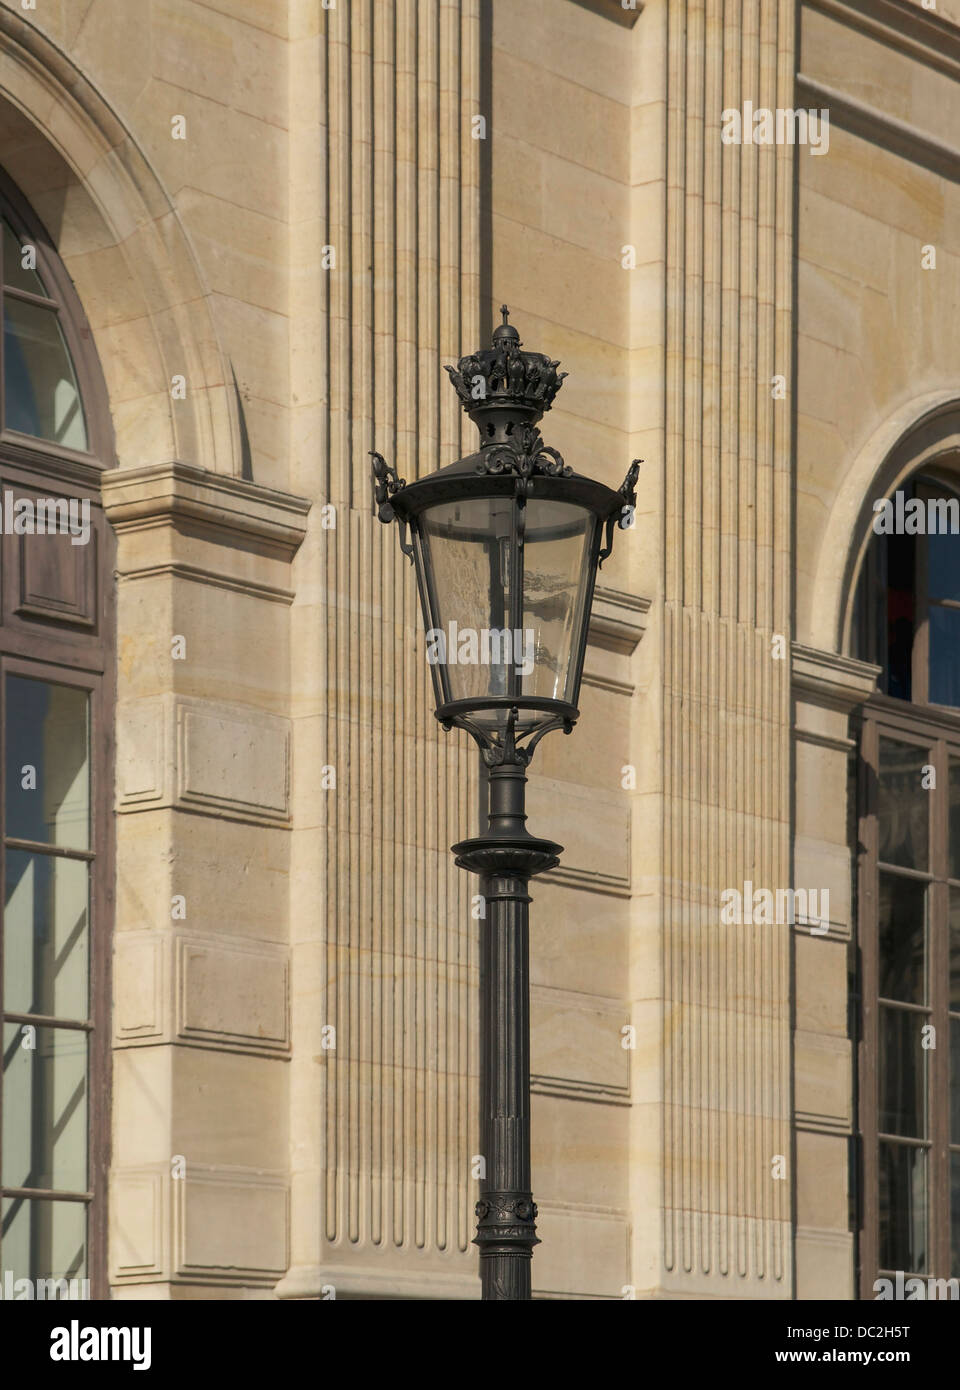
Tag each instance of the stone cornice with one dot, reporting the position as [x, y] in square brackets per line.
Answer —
[617, 620]
[869, 122]
[839, 682]
[922, 34]
[217, 505]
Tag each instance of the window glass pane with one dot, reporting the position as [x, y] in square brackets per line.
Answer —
[902, 1074]
[47, 763]
[41, 397]
[901, 612]
[15, 273]
[904, 804]
[943, 559]
[45, 1240]
[903, 1208]
[944, 655]
[44, 1108]
[902, 944]
[45, 936]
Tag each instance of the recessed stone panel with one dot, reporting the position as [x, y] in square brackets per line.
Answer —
[137, 1223]
[233, 761]
[232, 994]
[138, 985]
[230, 1225]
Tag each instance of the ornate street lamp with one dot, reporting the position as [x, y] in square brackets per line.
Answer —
[506, 543]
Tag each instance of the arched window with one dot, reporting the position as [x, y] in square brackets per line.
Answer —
[56, 643]
[907, 620]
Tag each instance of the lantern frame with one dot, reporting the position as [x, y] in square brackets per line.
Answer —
[512, 463]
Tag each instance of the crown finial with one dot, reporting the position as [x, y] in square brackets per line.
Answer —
[502, 387]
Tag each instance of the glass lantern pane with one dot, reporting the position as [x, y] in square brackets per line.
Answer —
[489, 632]
[469, 553]
[41, 394]
[556, 555]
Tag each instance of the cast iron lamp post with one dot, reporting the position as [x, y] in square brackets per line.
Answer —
[506, 544]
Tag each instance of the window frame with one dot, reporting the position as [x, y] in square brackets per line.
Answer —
[872, 586]
[78, 654]
[99, 912]
[100, 452]
[936, 729]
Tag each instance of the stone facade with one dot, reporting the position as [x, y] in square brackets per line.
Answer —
[281, 219]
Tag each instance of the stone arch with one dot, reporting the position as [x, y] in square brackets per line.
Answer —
[122, 241]
[921, 431]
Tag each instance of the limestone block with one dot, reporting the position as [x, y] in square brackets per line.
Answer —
[570, 43]
[825, 1265]
[577, 935]
[575, 1045]
[822, 866]
[822, 1181]
[583, 1255]
[229, 1109]
[583, 127]
[577, 1152]
[229, 1224]
[822, 1082]
[593, 827]
[821, 985]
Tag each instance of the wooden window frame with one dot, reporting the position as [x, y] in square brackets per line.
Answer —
[937, 730]
[75, 654]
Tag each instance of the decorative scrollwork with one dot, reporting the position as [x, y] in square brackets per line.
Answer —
[505, 1222]
[385, 484]
[499, 1209]
[499, 748]
[624, 517]
[524, 455]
